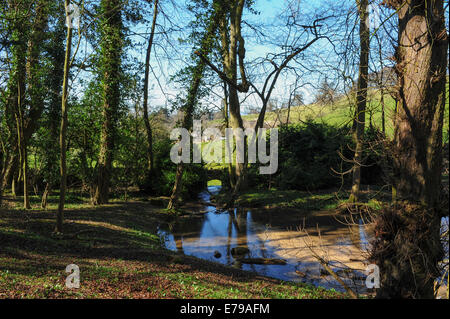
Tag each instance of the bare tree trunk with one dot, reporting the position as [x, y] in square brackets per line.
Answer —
[232, 177]
[176, 187]
[383, 115]
[408, 248]
[289, 108]
[145, 105]
[63, 131]
[381, 84]
[361, 96]
[234, 53]
[14, 184]
[11, 167]
[26, 198]
[44, 200]
[237, 123]
[4, 158]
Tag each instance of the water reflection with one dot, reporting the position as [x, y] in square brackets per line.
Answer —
[226, 237]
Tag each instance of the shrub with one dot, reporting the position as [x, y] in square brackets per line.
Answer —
[307, 154]
[311, 153]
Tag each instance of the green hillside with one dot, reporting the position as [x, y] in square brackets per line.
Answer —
[341, 113]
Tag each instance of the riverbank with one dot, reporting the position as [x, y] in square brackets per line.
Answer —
[329, 199]
[120, 255]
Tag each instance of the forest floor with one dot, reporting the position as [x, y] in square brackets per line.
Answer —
[119, 255]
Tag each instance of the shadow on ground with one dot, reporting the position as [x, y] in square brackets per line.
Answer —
[119, 256]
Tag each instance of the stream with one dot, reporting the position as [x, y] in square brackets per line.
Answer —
[296, 237]
[292, 236]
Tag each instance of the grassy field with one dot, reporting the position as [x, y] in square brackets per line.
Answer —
[340, 112]
[119, 256]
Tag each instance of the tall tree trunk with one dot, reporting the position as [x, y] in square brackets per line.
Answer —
[408, 248]
[5, 154]
[148, 128]
[361, 96]
[111, 51]
[187, 123]
[63, 131]
[383, 113]
[381, 83]
[26, 198]
[19, 34]
[14, 182]
[34, 88]
[10, 161]
[197, 74]
[11, 164]
[54, 81]
[173, 202]
[2, 156]
[231, 174]
[237, 123]
[21, 142]
[27, 41]
[234, 52]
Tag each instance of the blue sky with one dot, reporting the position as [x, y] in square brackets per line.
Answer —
[269, 11]
[166, 60]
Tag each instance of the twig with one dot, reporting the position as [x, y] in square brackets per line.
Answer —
[335, 276]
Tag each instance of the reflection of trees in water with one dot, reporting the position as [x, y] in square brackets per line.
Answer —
[238, 218]
[241, 219]
[178, 242]
[230, 234]
[261, 234]
[177, 236]
[261, 240]
[182, 228]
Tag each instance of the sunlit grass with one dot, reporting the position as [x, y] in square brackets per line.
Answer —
[341, 112]
[214, 182]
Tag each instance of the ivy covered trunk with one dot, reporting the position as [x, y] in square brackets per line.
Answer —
[16, 91]
[63, 131]
[111, 52]
[233, 48]
[192, 97]
[407, 247]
